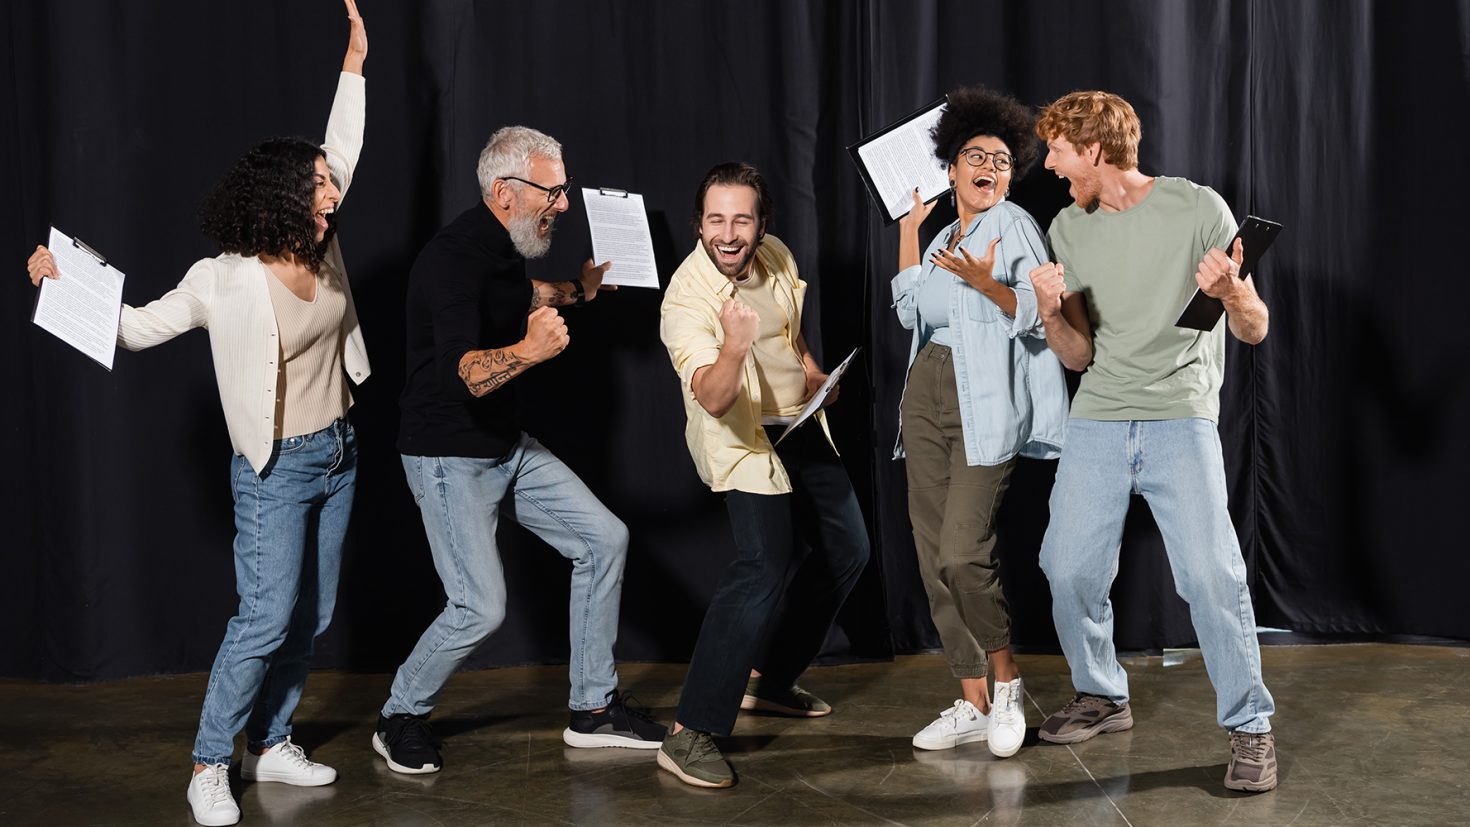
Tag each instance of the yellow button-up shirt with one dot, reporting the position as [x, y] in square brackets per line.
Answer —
[731, 452]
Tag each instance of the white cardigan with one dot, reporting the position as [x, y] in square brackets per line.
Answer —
[229, 296]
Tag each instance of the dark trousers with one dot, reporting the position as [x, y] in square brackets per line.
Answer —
[777, 599]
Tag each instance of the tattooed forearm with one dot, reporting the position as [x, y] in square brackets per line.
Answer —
[483, 371]
[552, 294]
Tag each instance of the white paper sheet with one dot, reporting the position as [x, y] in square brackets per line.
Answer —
[620, 234]
[903, 158]
[83, 306]
[815, 403]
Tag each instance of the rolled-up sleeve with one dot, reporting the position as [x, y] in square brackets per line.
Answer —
[1024, 249]
[691, 341]
[905, 288]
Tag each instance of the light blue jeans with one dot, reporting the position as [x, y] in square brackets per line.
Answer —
[1177, 466]
[460, 499]
[289, 525]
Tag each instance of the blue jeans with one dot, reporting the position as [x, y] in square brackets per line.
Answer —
[1177, 466]
[289, 525]
[460, 500]
[776, 600]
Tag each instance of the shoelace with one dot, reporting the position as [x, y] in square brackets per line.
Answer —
[701, 747]
[214, 784]
[952, 715]
[633, 708]
[1081, 702]
[293, 754]
[1249, 745]
[417, 736]
[1008, 704]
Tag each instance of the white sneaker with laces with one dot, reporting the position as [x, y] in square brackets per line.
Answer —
[286, 763]
[960, 724]
[209, 796]
[1007, 719]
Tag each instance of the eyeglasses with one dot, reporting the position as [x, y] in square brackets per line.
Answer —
[1001, 160]
[552, 193]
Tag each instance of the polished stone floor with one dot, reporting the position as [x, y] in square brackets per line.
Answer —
[1368, 734]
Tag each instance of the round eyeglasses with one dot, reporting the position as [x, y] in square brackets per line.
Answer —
[975, 157]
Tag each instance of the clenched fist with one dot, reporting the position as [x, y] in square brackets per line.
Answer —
[1048, 282]
[546, 335]
[740, 323]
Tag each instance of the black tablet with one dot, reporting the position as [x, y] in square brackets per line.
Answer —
[1256, 234]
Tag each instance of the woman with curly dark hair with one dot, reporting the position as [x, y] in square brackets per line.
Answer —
[982, 389]
[284, 337]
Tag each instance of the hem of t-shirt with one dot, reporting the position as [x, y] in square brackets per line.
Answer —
[1147, 414]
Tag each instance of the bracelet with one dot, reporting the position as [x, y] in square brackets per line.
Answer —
[579, 294]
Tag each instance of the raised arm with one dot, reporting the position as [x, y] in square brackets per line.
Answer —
[717, 386]
[343, 142]
[1063, 316]
[905, 284]
[356, 41]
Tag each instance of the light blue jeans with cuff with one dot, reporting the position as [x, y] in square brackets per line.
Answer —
[1177, 466]
[460, 499]
[289, 525]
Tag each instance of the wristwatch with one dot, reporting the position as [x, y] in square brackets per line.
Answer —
[579, 294]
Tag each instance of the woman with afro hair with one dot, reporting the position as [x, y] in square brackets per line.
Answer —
[982, 389]
[284, 337]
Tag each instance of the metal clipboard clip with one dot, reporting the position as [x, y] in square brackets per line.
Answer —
[610, 191]
[87, 248]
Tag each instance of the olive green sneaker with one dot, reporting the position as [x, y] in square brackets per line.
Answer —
[1252, 762]
[694, 759]
[793, 700]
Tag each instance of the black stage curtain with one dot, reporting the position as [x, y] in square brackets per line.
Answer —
[1336, 118]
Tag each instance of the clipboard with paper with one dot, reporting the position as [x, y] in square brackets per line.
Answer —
[83, 306]
[815, 403]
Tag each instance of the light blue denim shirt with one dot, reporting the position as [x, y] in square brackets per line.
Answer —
[1013, 394]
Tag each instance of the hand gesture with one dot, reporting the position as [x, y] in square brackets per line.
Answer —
[1218, 275]
[356, 41]
[546, 335]
[911, 221]
[592, 275]
[975, 271]
[41, 265]
[1048, 282]
[740, 323]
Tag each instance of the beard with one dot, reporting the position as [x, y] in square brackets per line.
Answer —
[525, 233]
[730, 271]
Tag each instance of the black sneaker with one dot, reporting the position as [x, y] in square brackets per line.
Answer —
[619, 725]
[407, 744]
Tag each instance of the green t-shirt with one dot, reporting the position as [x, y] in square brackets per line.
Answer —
[1136, 269]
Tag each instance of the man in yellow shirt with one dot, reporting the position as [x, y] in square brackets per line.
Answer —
[731, 319]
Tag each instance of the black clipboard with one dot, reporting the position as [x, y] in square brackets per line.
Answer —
[852, 151]
[1256, 234]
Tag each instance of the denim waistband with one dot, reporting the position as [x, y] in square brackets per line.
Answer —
[339, 428]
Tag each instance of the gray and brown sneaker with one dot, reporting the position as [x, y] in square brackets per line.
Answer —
[1252, 762]
[793, 700]
[1084, 717]
[694, 759]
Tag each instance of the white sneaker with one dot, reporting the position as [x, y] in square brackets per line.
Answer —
[209, 796]
[1007, 719]
[286, 763]
[960, 724]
